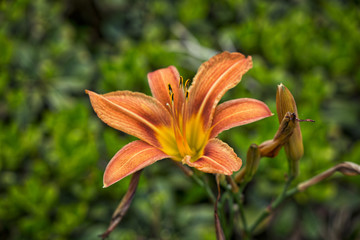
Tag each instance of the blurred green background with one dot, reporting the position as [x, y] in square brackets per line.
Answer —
[53, 148]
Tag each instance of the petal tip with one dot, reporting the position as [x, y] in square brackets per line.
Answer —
[88, 91]
[149, 75]
[105, 184]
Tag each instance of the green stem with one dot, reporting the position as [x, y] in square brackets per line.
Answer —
[198, 180]
[287, 185]
[242, 186]
[266, 212]
[203, 184]
[237, 194]
[238, 200]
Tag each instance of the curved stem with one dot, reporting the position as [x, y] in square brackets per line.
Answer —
[347, 168]
[267, 211]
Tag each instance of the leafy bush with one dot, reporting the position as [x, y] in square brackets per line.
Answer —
[53, 149]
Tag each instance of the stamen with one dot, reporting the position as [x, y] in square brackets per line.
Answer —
[171, 93]
[179, 125]
[181, 81]
[187, 84]
[170, 89]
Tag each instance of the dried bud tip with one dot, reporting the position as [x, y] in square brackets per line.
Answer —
[305, 120]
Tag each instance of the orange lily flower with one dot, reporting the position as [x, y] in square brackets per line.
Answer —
[180, 122]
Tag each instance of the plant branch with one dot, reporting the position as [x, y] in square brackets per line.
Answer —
[198, 180]
[267, 211]
[346, 168]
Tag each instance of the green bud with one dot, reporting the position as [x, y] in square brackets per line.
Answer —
[252, 164]
[294, 148]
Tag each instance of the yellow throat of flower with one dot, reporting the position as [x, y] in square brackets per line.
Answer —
[187, 136]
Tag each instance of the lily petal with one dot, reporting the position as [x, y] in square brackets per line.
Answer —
[218, 157]
[159, 81]
[131, 158]
[213, 79]
[133, 113]
[238, 112]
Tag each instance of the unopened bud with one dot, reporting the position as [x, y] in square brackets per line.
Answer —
[252, 161]
[294, 146]
[252, 164]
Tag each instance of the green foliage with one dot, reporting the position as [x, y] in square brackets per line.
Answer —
[53, 149]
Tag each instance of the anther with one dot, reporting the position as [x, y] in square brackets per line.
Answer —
[170, 90]
[187, 84]
[187, 94]
[181, 81]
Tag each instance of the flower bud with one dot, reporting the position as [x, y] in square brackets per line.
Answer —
[252, 161]
[252, 164]
[294, 147]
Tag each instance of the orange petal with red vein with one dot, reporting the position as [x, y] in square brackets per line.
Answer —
[213, 79]
[218, 157]
[238, 112]
[159, 81]
[133, 113]
[131, 158]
